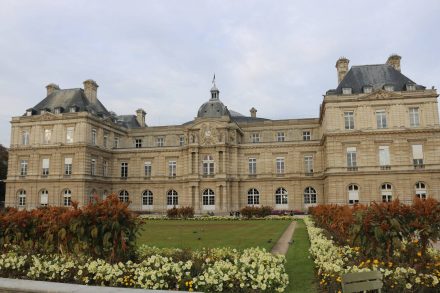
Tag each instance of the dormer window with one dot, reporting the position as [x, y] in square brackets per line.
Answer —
[73, 109]
[367, 89]
[346, 91]
[388, 88]
[44, 111]
[58, 110]
[29, 112]
[410, 87]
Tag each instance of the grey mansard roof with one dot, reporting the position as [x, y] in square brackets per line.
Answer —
[214, 108]
[373, 75]
[127, 121]
[67, 98]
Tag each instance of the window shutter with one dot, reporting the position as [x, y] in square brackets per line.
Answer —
[417, 151]
[45, 163]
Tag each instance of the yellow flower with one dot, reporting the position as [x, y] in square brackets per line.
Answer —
[419, 253]
[376, 262]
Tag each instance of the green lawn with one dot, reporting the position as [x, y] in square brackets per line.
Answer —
[299, 266]
[199, 234]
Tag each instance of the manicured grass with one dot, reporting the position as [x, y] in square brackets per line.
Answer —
[209, 234]
[299, 266]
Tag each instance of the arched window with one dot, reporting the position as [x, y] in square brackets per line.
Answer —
[172, 198]
[309, 195]
[208, 197]
[253, 196]
[281, 196]
[67, 197]
[147, 198]
[44, 197]
[92, 195]
[208, 165]
[21, 198]
[387, 192]
[104, 194]
[123, 196]
[421, 190]
[353, 193]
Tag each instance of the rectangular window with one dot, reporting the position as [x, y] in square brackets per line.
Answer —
[381, 119]
[106, 140]
[172, 169]
[307, 135]
[147, 169]
[181, 140]
[23, 167]
[47, 136]
[414, 120]
[105, 168]
[69, 134]
[252, 166]
[255, 138]
[94, 136]
[417, 150]
[351, 159]
[93, 167]
[346, 91]
[280, 136]
[67, 166]
[25, 137]
[308, 164]
[124, 170]
[45, 167]
[349, 120]
[116, 142]
[138, 143]
[160, 141]
[280, 165]
[384, 157]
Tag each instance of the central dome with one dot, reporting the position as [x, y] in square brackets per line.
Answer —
[214, 108]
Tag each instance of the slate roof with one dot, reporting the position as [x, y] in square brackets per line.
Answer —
[373, 75]
[67, 98]
[127, 121]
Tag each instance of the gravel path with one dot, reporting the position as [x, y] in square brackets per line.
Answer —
[282, 244]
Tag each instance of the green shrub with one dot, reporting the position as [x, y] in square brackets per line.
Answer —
[257, 212]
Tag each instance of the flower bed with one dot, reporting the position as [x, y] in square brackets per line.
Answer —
[217, 218]
[332, 260]
[215, 270]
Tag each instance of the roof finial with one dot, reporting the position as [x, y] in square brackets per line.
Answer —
[213, 80]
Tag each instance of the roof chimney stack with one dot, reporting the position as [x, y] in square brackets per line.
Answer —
[140, 117]
[253, 112]
[51, 87]
[90, 90]
[342, 68]
[394, 61]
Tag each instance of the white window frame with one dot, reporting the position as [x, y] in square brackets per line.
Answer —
[172, 198]
[281, 137]
[138, 143]
[308, 164]
[353, 193]
[124, 196]
[347, 91]
[386, 191]
[351, 157]
[421, 190]
[67, 197]
[280, 165]
[181, 140]
[116, 142]
[22, 198]
[253, 196]
[172, 169]
[349, 120]
[384, 156]
[105, 140]
[310, 195]
[208, 165]
[25, 137]
[252, 164]
[160, 141]
[147, 169]
[124, 169]
[47, 136]
[281, 198]
[93, 167]
[68, 166]
[381, 119]
[70, 131]
[24, 167]
[208, 199]
[147, 200]
[307, 135]
[45, 166]
[417, 153]
[44, 197]
[414, 117]
[255, 137]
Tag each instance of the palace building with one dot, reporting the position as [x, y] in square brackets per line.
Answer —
[377, 138]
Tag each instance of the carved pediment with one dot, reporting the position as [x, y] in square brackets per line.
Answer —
[380, 95]
[46, 117]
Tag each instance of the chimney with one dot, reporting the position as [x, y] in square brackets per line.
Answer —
[140, 117]
[51, 87]
[253, 112]
[90, 90]
[342, 68]
[394, 61]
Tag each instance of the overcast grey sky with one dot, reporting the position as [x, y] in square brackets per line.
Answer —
[277, 56]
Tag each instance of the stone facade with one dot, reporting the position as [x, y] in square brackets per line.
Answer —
[372, 141]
